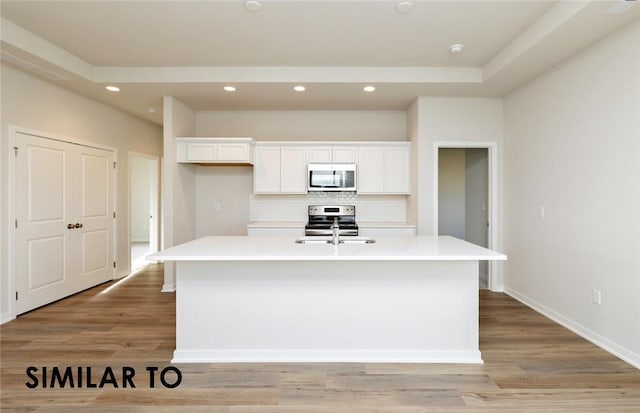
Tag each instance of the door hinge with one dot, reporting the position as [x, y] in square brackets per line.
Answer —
[115, 164]
[16, 296]
[15, 151]
[114, 264]
[16, 224]
[114, 214]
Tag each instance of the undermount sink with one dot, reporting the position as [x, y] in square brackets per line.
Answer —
[329, 240]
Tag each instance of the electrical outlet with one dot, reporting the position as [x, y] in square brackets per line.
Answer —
[596, 296]
[541, 212]
[217, 206]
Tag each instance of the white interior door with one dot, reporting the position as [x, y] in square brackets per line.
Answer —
[94, 211]
[42, 238]
[64, 219]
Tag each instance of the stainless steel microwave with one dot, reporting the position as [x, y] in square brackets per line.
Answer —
[332, 177]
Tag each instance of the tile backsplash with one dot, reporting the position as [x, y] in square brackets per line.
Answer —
[369, 208]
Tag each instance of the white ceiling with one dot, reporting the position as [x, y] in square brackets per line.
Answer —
[190, 49]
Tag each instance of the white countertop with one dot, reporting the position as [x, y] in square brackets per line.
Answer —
[272, 248]
[301, 224]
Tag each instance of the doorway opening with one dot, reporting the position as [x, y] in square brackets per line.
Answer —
[143, 208]
[466, 198]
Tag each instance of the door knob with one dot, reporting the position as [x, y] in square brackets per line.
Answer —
[70, 226]
[78, 225]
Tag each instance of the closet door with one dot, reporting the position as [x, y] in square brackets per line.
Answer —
[64, 218]
[94, 212]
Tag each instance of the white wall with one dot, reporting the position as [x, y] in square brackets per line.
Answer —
[304, 125]
[443, 119]
[178, 184]
[413, 135]
[572, 145]
[33, 103]
[226, 187]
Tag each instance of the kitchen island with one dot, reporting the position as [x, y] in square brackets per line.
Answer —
[269, 299]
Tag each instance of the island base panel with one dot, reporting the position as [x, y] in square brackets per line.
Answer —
[329, 311]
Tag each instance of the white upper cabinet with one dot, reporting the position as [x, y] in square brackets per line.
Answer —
[385, 169]
[371, 170]
[345, 154]
[280, 169]
[266, 170]
[333, 153]
[215, 150]
[397, 170]
[293, 170]
[382, 168]
[320, 154]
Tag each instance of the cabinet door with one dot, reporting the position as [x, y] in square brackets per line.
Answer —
[371, 170]
[397, 166]
[345, 154]
[233, 152]
[201, 152]
[320, 154]
[293, 170]
[266, 170]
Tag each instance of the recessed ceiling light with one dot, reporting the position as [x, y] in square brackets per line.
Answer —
[456, 48]
[252, 5]
[152, 109]
[299, 88]
[404, 6]
[230, 88]
[369, 88]
[112, 88]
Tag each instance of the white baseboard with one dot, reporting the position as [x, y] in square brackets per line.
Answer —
[595, 338]
[168, 288]
[324, 356]
[6, 317]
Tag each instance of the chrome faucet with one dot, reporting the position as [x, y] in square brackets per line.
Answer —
[335, 229]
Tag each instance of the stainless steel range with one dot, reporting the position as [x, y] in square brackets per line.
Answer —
[323, 217]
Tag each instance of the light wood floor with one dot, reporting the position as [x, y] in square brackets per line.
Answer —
[531, 365]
